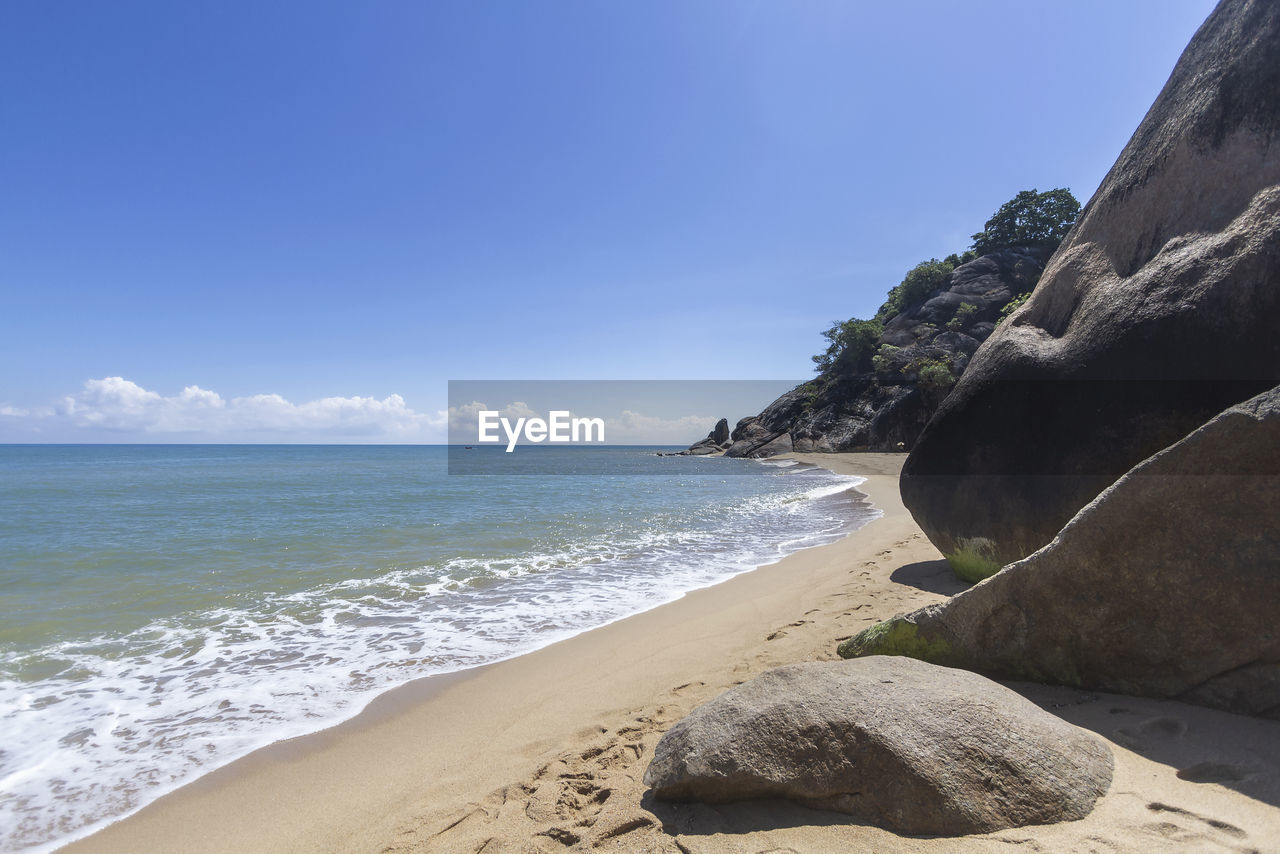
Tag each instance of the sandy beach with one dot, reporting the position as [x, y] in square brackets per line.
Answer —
[545, 752]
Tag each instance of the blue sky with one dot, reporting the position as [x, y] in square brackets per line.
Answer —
[292, 203]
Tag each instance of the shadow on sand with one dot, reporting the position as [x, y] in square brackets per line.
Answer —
[1202, 745]
[698, 819]
[935, 576]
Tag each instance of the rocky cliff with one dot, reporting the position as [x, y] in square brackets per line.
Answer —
[917, 358]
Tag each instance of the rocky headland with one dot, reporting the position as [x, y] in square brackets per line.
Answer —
[882, 399]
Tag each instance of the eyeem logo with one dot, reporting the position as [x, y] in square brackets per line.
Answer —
[560, 428]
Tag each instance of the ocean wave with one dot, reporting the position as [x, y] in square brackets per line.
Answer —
[92, 729]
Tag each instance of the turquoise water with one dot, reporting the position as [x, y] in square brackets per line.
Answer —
[167, 609]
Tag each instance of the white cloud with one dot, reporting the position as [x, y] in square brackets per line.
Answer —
[114, 405]
[464, 419]
[117, 409]
[635, 428]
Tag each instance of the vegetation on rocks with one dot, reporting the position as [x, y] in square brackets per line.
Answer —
[881, 379]
[1034, 219]
[964, 316]
[1014, 304]
[1029, 220]
[934, 373]
[850, 344]
[973, 560]
[896, 636]
[922, 280]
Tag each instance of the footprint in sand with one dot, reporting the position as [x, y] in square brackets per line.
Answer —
[615, 757]
[629, 825]
[1170, 829]
[1024, 843]
[571, 797]
[782, 632]
[1162, 728]
[680, 689]
[568, 803]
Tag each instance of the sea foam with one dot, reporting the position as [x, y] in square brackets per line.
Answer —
[94, 727]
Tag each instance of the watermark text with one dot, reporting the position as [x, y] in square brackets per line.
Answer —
[560, 426]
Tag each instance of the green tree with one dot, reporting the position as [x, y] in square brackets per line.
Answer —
[956, 260]
[1031, 219]
[922, 280]
[849, 345]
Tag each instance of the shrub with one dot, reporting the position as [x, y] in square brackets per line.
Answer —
[883, 361]
[933, 374]
[923, 279]
[849, 346]
[1012, 305]
[811, 391]
[964, 316]
[972, 560]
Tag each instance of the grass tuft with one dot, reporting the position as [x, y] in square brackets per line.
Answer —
[896, 636]
[973, 561]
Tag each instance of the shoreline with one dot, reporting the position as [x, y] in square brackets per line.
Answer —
[545, 751]
[385, 704]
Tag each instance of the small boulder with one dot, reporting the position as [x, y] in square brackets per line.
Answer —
[905, 745]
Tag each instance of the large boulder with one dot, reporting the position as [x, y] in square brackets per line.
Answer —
[1158, 310]
[756, 433]
[720, 433]
[904, 745]
[1167, 584]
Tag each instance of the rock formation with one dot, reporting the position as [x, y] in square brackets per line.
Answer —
[1159, 310]
[717, 440]
[1166, 584]
[904, 745]
[886, 408]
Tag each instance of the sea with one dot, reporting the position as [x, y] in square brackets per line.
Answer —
[166, 609]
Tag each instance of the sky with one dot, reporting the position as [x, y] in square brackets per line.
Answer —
[297, 222]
